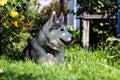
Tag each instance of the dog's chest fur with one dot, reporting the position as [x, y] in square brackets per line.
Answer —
[43, 53]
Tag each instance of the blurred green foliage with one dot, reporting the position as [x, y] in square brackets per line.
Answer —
[19, 22]
[112, 49]
[13, 36]
[97, 6]
[100, 30]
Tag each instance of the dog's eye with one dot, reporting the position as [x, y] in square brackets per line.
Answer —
[62, 29]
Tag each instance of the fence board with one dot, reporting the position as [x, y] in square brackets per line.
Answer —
[86, 25]
[98, 16]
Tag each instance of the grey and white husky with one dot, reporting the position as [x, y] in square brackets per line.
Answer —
[48, 45]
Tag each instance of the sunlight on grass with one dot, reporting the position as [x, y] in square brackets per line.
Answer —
[78, 65]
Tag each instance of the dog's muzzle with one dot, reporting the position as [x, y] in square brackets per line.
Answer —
[67, 43]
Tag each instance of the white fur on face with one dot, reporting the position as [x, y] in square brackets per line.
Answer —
[56, 30]
[55, 36]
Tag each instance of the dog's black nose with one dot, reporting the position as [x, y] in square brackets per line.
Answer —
[72, 38]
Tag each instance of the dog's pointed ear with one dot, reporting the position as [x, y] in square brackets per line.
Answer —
[61, 17]
[54, 16]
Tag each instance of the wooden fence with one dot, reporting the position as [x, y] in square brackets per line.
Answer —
[86, 25]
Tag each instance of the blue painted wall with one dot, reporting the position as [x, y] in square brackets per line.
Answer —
[119, 16]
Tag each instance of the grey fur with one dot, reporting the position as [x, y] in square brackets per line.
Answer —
[54, 35]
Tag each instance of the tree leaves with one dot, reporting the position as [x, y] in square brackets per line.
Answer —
[97, 6]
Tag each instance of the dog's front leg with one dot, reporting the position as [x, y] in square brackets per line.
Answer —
[60, 56]
[47, 59]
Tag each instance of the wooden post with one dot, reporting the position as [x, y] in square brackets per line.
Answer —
[86, 26]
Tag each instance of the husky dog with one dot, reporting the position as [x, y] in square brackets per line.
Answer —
[48, 45]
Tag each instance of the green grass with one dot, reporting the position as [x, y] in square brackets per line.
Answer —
[78, 65]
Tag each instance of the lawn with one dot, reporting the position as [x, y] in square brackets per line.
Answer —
[78, 65]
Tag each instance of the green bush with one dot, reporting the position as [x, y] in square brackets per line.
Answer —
[14, 27]
[112, 50]
[100, 30]
[75, 33]
[18, 24]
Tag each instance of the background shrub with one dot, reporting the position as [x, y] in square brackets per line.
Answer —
[19, 23]
[12, 27]
[112, 50]
[101, 29]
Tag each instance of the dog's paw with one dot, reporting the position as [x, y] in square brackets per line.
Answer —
[48, 59]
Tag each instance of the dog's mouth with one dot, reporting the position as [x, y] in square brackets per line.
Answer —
[65, 42]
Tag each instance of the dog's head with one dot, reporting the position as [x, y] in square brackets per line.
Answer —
[57, 31]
